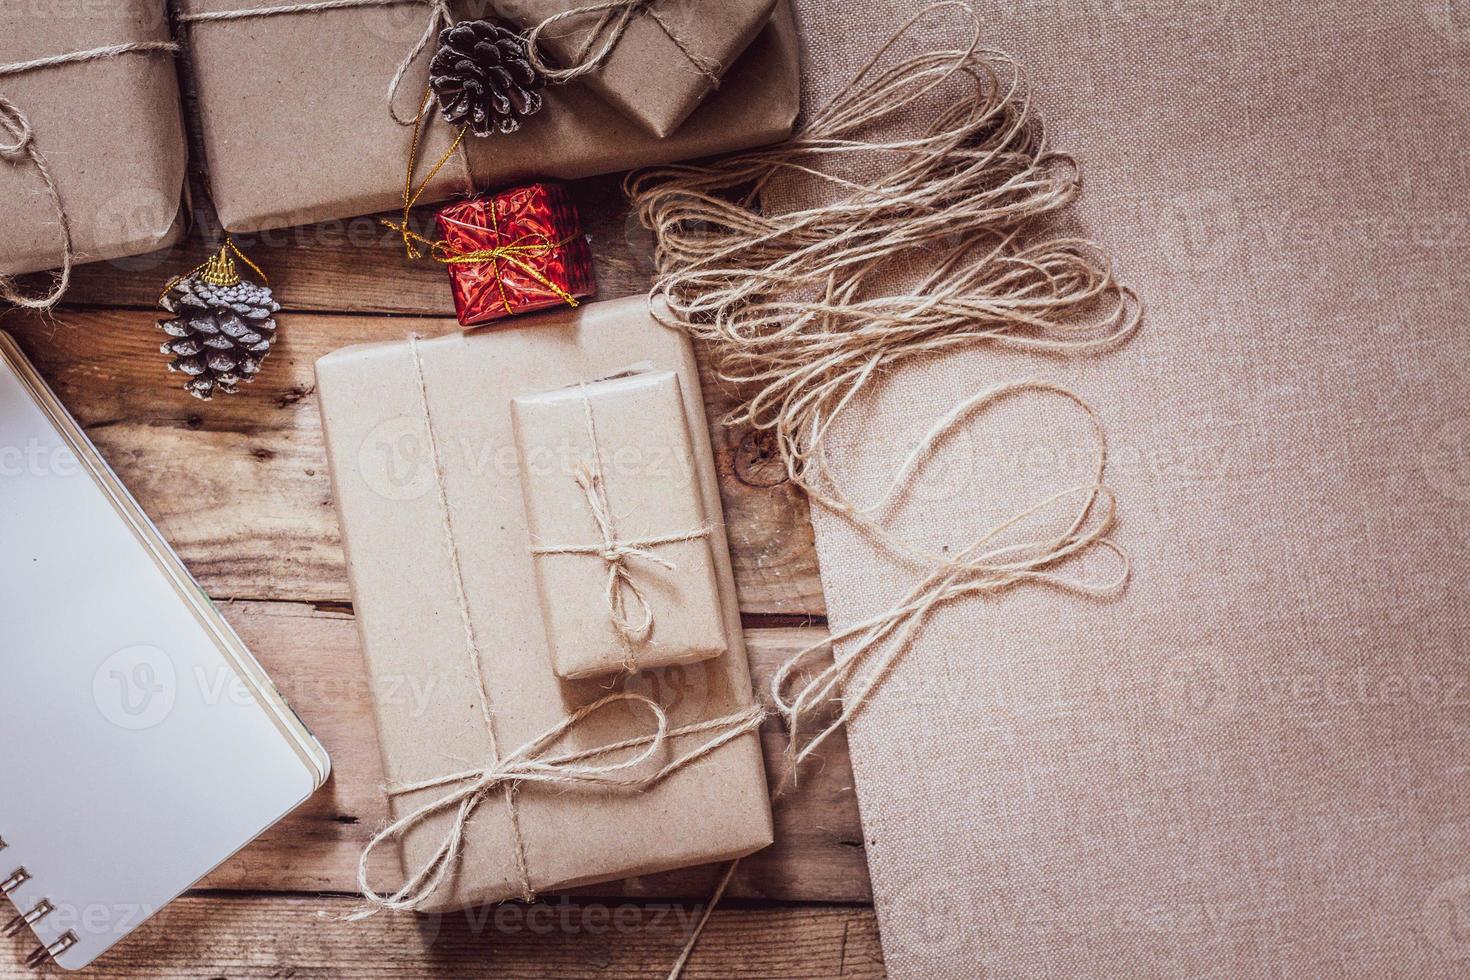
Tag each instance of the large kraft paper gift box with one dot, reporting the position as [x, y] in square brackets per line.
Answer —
[395, 530]
[671, 55]
[1253, 764]
[109, 130]
[295, 125]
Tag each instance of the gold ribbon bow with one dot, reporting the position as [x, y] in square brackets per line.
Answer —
[516, 254]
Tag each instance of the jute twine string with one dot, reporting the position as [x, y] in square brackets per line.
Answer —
[864, 653]
[439, 18]
[984, 567]
[472, 649]
[925, 240]
[613, 20]
[531, 762]
[956, 198]
[20, 148]
[616, 552]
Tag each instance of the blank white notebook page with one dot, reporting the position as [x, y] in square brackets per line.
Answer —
[133, 760]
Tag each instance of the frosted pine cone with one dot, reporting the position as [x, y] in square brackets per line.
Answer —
[223, 328]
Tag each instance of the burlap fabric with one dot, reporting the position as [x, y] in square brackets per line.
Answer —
[1254, 763]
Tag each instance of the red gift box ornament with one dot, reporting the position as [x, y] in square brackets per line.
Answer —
[514, 252]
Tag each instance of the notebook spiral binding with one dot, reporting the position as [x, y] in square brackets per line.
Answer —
[24, 920]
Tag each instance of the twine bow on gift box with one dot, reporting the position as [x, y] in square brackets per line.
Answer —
[615, 551]
[531, 764]
[20, 149]
[613, 19]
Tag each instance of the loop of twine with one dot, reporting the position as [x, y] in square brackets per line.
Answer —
[22, 149]
[613, 20]
[530, 763]
[412, 239]
[616, 552]
[19, 128]
[864, 653]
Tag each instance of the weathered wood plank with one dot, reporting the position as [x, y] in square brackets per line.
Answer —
[268, 937]
[239, 485]
[312, 654]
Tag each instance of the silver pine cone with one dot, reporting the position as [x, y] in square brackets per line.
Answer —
[221, 332]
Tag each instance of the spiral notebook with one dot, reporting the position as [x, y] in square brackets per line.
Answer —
[140, 743]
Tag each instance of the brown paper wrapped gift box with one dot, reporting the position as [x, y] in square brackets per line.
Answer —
[651, 74]
[295, 125]
[403, 583]
[110, 131]
[661, 605]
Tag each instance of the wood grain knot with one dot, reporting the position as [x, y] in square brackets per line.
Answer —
[757, 464]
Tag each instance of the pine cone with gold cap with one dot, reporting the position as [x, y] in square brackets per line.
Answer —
[223, 328]
[483, 77]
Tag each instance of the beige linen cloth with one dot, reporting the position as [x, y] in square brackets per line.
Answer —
[1254, 763]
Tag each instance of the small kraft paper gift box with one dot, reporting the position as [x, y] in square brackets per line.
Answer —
[653, 61]
[108, 130]
[296, 127]
[619, 527]
[421, 440]
[516, 251]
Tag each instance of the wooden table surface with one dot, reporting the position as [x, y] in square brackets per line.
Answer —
[239, 486]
